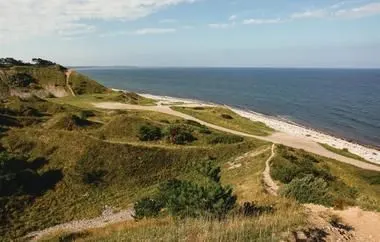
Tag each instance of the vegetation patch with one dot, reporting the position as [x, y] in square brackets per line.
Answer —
[343, 152]
[226, 118]
[300, 170]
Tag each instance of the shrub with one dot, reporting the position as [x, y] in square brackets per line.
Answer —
[147, 207]
[95, 177]
[226, 116]
[225, 139]
[308, 190]
[149, 133]
[189, 199]
[180, 134]
[193, 123]
[250, 209]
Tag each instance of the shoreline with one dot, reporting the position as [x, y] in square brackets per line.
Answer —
[281, 125]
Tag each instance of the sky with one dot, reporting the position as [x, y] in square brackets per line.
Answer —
[189, 33]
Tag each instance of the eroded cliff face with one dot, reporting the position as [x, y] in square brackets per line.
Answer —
[29, 81]
[45, 81]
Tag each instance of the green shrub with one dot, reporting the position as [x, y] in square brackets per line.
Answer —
[225, 139]
[149, 133]
[147, 207]
[189, 199]
[180, 134]
[226, 116]
[308, 190]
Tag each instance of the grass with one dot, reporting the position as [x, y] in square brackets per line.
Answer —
[81, 84]
[264, 228]
[348, 185]
[226, 118]
[128, 171]
[246, 181]
[344, 152]
[85, 101]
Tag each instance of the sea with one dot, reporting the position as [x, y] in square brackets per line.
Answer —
[341, 102]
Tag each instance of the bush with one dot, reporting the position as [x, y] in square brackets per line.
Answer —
[308, 190]
[189, 199]
[225, 139]
[226, 116]
[180, 134]
[250, 209]
[149, 133]
[147, 207]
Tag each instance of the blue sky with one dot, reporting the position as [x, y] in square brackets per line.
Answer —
[262, 33]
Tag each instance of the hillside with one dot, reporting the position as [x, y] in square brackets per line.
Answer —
[25, 80]
[81, 160]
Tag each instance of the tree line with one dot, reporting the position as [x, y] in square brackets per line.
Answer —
[9, 62]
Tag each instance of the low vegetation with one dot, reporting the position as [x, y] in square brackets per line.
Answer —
[343, 152]
[323, 181]
[226, 118]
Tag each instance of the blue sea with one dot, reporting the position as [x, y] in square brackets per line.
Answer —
[342, 102]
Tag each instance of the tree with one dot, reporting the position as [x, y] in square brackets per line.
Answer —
[9, 61]
[42, 62]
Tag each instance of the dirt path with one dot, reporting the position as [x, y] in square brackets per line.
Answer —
[68, 74]
[355, 224]
[270, 186]
[107, 218]
[277, 138]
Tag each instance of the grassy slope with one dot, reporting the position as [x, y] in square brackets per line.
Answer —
[84, 101]
[52, 76]
[81, 84]
[246, 181]
[343, 152]
[350, 185]
[130, 171]
[213, 115]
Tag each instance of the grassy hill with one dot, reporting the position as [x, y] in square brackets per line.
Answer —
[44, 81]
[61, 159]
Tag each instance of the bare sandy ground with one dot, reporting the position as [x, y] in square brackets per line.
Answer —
[271, 186]
[107, 218]
[68, 74]
[277, 138]
[365, 225]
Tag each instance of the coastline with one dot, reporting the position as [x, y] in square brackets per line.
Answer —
[289, 127]
[280, 125]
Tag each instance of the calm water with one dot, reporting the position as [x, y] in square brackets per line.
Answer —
[343, 102]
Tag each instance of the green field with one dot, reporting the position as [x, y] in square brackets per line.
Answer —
[226, 118]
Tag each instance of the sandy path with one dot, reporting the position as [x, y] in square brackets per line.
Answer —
[365, 224]
[68, 74]
[277, 138]
[270, 185]
[105, 219]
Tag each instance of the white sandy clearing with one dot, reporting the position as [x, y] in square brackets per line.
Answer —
[290, 140]
[107, 218]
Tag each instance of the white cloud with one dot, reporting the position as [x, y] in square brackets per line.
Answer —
[168, 21]
[232, 18]
[153, 31]
[221, 25]
[262, 21]
[24, 18]
[320, 13]
[359, 12]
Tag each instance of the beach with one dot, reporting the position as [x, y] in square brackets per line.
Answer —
[289, 128]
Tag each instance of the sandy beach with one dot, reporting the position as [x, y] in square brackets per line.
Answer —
[295, 130]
